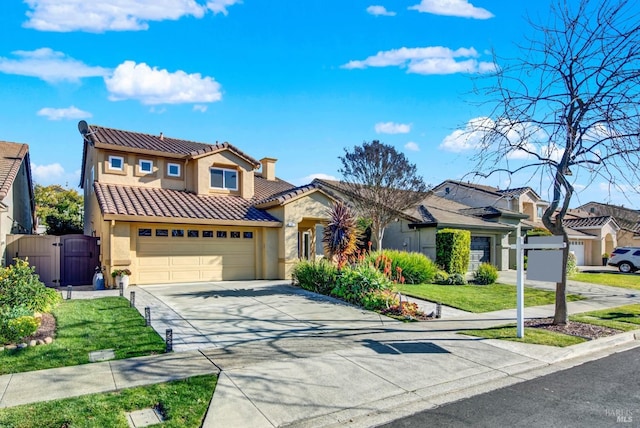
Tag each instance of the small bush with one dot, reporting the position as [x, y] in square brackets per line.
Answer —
[456, 279]
[415, 268]
[354, 283]
[21, 286]
[441, 277]
[379, 300]
[572, 264]
[319, 277]
[485, 274]
[14, 329]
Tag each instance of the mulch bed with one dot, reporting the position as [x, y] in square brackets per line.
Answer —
[47, 328]
[587, 331]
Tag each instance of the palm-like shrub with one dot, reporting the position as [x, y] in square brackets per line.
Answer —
[405, 267]
[341, 234]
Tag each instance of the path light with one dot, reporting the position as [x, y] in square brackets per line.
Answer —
[438, 310]
[121, 288]
[132, 299]
[169, 340]
[147, 315]
[69, 288]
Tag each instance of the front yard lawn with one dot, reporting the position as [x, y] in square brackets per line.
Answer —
[623, 318]
[480, 298]
[624, 280]
[183, 403]
[531, 335]
[84, 326]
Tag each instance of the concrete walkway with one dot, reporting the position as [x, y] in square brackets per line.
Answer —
[291, 358]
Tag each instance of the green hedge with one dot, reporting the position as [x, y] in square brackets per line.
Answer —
[415, 268]
[453, 250]
[317, 276]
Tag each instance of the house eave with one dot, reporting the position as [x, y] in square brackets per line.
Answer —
[198, 221]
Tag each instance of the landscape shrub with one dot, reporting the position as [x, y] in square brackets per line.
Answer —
[415, 268]
[572, 264]
[12, 330]
[379, 300]
[21, 286]
[456, 279]
[317, 276]
[354, 283]
[485, 274]
[453, 250]
[441, 277]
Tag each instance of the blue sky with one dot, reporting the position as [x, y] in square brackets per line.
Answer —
[290, 79]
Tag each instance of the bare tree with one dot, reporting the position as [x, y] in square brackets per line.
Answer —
[569, 107]
[381, 182]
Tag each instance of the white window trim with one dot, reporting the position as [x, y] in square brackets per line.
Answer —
[112, 158]
[224, 186]
[143, 161]
[169, 165]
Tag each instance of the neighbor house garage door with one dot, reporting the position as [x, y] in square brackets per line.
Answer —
[480, 251]
[577, 248]
[167, 255]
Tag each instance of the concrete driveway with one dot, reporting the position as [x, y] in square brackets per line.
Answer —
[256, 314]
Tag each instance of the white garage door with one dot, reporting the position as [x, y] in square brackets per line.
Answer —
[577, 248]
[191, 255]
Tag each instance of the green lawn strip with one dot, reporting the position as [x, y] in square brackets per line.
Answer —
[627, 280]
[184, 404]
[84, 326]
[480, 298]
[531, 335]
[623, 318]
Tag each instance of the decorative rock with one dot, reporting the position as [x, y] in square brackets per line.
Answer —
[40, 342]
[9, 347]
[32, 343]
[22, 345]
[48, 340]
[1, 348]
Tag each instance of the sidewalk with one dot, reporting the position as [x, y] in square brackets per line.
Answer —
[342, 376]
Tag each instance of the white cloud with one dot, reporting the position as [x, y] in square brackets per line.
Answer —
[47, 173]
[461, 8]
[411, 146]
[200, 107]
[153, 86]
[320, 175]
[380, 11]
[427, 60]
[48, 65]
[63, 113]
[108, 15]
[220, 6]
[392, 128]
[469, 138]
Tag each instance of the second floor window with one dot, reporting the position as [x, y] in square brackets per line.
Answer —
[224, 178]
[173, 170]
[145, 166]
[116, 163]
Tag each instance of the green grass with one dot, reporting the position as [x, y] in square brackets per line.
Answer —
[531, 335]
[626, 280]
[623, 318]
[84, 326]
[480, 298]
[184, 404]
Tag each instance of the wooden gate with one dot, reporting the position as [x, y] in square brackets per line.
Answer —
[59, 260]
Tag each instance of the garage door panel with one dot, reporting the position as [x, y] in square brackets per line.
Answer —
[165, 260]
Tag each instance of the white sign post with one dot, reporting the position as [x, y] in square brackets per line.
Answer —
[542, 266]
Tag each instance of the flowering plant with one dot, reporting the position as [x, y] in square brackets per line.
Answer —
[120, 272]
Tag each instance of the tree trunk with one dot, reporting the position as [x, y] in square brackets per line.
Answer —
[560, 316]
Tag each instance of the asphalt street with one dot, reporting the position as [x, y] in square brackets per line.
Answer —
[601, 393]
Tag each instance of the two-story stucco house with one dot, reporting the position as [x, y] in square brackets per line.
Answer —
[173, 210]
[17, 207]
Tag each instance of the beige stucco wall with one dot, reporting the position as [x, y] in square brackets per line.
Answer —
[314, 206]
[223, 159]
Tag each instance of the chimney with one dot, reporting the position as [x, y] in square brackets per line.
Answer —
[161, 136]
[268, 168]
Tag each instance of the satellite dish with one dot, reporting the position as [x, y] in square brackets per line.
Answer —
[83, 127]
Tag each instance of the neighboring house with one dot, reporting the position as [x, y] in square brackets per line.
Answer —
[17, 209]
[415, 229]
[173, 210]
[628, 220]
[589, 236]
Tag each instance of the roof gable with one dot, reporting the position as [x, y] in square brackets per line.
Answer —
[12, 155]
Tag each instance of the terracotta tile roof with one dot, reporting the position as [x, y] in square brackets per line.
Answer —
[627, 218]
[175, 204]
[287, 195]
[11, 157]
[264, 188]
[140, 141]
[517, 191]
[435, 210]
